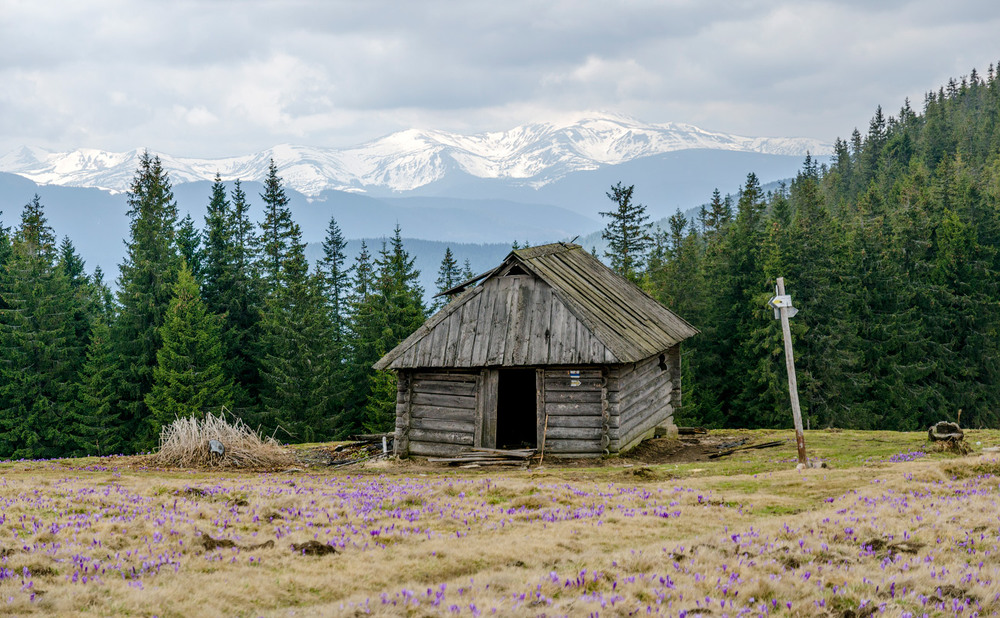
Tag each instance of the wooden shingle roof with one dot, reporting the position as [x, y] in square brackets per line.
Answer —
[547, 305]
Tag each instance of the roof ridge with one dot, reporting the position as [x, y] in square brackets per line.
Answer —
[528, 253]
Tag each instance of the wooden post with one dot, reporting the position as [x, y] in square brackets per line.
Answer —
[793, 387]
[541, 414]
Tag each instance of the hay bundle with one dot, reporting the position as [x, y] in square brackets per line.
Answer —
[184, 444]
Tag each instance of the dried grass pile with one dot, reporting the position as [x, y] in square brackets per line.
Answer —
[184, 444]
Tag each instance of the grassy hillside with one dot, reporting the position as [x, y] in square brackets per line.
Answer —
[890, 527]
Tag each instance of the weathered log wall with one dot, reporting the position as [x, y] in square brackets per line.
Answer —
[647, 393]
[582, 411]
[577, 411]
[436, 412]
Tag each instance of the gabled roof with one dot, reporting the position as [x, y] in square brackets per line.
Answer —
[546, 305]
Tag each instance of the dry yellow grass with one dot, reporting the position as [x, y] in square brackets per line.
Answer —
[184, 443]
[98, 537]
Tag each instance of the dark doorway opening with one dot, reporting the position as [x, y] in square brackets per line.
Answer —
[516, 413]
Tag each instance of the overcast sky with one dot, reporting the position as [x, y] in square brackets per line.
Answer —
[215, 78]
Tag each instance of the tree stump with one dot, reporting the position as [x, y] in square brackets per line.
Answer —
[945, 432]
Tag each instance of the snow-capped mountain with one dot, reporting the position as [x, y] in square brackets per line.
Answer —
[529, 156]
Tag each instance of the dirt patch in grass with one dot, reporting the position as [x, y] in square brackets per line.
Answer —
[210, 544]
[313, 548]
[683, 450]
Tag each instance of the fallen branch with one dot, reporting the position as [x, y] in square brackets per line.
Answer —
[746, 448]
[690, 431]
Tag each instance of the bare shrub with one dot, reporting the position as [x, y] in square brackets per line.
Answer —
[184, 444]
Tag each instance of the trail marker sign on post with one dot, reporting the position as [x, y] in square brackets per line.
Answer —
[783, 309]
[779, 302]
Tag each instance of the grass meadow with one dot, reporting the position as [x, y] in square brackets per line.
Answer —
[890, 528]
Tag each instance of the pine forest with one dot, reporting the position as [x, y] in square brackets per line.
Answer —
[891, 252]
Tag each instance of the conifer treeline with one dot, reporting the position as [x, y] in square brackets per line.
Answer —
[891, 252]
[232, 316]
[892, 255]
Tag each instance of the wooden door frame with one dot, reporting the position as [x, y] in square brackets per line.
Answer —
[540, 416]
[486, 407]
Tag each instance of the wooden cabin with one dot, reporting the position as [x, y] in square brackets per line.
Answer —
[551, 349]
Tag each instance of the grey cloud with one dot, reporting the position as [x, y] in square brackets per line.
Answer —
[220, 78]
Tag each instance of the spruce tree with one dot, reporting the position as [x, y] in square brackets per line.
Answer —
[145, 289]
[5, 244]
[336, 279]
[73, 268]
[40, 355]
[392, 313]
[241, 297]
[189, 246]
[448, 277]
[276, 230]
[675, 274]
[627, 233]
[467, 272]
[380, 411]
[217, 250]
[740, 293]
[71, 263]
[104, 300]
[400, 294]
[365, 325]
[815, 263]
[719, 213]
[230, 288]
[87, 295]
[295, 361]
[98, 428]
[188, 379]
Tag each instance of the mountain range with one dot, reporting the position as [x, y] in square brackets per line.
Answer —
[533, 155]
[534, 183]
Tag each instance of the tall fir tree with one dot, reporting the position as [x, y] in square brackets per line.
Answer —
[365, 324]
[627, 233]
[217, 243]
[189, 246]
[399, 290]
[230, 288]
[296, 366]
[40, 355]
[241, 297]
[87, 296]
[380, 410]
[188, 380]
[99, 431]
[675, 274]
[448, 277]
[145, 288]
[467, 272]
[103, 297]
[336, 281]
[399, 302]
[276, 230]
